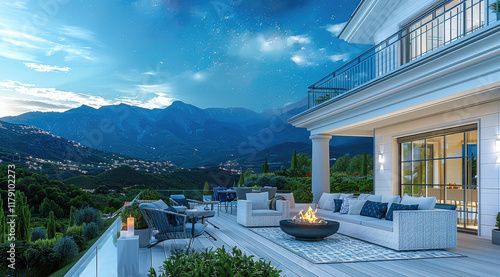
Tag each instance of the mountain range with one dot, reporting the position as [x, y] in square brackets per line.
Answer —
[187, 135]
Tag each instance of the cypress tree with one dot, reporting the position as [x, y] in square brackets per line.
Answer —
[241, 182]
[23, 217]
[71, 215]
[51, 226]
[364, 165]
[2, 223]
[266, 166]
[294, 160]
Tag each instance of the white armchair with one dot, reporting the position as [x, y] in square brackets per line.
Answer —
[248, 216]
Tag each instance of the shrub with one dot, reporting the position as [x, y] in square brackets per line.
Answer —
[74, 231]
[206, 189]
[109, 210]
[66, 248]
[41, 260]
[279, 182]
[251, 178]
[498, 220]
[255, 187]
[87, 215]
[149, 194]
[38, 233]
[79, 240]
[263, 181]
[133, 210]
[217, 262]
[91, 230]
[303, 195]
[46, 242]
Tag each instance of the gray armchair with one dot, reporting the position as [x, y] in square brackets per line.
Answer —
[270, 190]
[241, 193]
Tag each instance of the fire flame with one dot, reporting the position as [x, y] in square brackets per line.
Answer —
[308, 217]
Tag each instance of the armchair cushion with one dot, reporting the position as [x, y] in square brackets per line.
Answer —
[180, 199]
[289, 198]
[259, 200]
[159, 205]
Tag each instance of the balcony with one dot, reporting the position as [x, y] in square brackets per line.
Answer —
[431, 31]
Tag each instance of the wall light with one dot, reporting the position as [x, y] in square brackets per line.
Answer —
[497, 146]
[380, 158]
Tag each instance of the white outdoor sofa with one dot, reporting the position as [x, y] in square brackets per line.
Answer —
[409, 230]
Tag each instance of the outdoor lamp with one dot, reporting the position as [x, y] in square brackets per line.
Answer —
[130, 226]
[380, 158]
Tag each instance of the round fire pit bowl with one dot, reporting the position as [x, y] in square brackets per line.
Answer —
[309, 232]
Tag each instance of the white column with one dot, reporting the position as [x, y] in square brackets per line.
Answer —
[320, 165]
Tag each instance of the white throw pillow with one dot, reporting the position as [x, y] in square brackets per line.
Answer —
[374, 198]
[390, 200]
[259, 200]
[329, 205]
[346, 195]
[327, 197]
[289, 198]
[424, 203]
[355, 206]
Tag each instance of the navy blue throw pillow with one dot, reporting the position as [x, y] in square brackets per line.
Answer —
[338, 204]
[399, 207]
[172, 219]
[374, 209]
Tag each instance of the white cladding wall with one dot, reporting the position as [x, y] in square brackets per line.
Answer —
[405, 11]
[488, 118]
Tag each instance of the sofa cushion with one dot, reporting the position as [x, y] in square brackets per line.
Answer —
[356, 219]
[346, 195]
[399, 207]
[259, 200]
[355, 206]
[374, 209]
[424, 203]
[337, 204]
[374, 198]
[325, 197]
[363, 196]
[265, 213]
[344, 209]
[329, 205]
[289, 198]
[379, 224]
[389, 200]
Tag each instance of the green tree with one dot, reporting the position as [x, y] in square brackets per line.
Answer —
[241, 182]
[206, 189]
[2, 223]
[364, 165]
[294, 161]
[355, 164]
[341, 164]
[23, 219]
[71, 215]
[51, 226]
[304, 162]
[50, 205]
[265, 167]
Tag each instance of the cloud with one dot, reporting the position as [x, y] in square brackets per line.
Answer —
[301, 60]
[339, 57]
[46, 68]
[291, 40]
[335, 29]
[199, 76]
[257, 46]
[159, 101]
[77, 32]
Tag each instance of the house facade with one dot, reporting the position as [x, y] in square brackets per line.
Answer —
[428, 92]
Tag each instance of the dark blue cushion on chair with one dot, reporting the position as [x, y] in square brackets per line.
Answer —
[374, 209]
[172, 219]
[338, 204]
[399, 207]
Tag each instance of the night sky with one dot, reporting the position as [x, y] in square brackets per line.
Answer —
[257, 54]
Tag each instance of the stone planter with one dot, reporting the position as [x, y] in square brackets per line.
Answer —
[144, 237]
[495, 236]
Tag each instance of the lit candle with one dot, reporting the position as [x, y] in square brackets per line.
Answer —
[130, 226]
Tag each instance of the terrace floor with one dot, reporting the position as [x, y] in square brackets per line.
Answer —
[483, 258]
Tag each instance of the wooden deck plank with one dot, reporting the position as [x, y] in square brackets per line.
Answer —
[482, 256]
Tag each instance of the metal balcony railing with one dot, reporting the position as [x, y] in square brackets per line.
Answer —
[441, 26]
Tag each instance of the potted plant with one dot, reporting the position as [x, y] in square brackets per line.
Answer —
[495, 233]
[495, 8]
[140, 226]
[207, 194]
